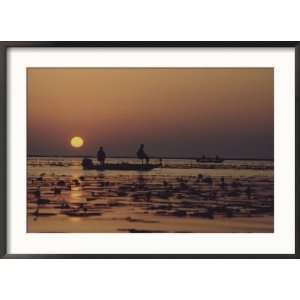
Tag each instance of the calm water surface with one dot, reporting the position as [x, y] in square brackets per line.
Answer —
[172, 167]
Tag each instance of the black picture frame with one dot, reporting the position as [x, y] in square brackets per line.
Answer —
[4, 46]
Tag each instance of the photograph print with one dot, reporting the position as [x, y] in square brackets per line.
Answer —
[150, 150]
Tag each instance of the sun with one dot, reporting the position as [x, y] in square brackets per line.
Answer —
[76, 141]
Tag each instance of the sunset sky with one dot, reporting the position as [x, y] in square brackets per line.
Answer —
[174, 112]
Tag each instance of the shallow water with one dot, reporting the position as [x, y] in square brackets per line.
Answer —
[176, 167]
[176, 198]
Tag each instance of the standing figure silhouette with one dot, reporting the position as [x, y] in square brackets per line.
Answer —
[142, 155]
[101, 156]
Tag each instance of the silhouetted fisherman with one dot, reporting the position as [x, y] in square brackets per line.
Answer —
[101, 156]
[160, 161]
[142, 155]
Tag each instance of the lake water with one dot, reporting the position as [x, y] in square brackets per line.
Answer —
[182, 196]
[176, 167]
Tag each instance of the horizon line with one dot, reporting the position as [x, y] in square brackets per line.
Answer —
[153, 157]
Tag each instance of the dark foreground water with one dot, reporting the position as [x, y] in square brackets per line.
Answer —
[183, 196]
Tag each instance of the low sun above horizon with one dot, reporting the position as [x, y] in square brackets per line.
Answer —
[76, 142]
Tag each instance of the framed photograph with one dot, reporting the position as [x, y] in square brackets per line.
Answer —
[149, 149]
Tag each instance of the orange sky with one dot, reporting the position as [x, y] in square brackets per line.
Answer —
[174, 112]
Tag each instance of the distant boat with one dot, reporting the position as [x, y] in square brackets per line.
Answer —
[87, 164]
[210, 160]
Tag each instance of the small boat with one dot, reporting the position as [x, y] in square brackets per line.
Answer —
[88, 164]
[210, 160]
